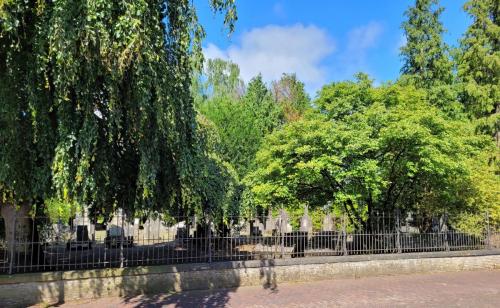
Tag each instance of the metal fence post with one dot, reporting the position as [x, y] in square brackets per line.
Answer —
[488, 230]
[12, 248]
[121, 240]
[445, 227]
[398, 231]
[282, 232]
[209, 241]
[344, 235]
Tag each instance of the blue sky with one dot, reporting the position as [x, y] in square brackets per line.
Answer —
[319, 40]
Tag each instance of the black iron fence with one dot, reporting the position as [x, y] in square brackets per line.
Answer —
[41, 244]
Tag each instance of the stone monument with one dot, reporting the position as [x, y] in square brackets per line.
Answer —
[270, 224]
[306, 222]
[282, 223]
[328, 224]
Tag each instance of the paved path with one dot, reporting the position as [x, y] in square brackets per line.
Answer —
[464, 289]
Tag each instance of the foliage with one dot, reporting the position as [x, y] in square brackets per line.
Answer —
[239, 135]
[282, 178]
[425, 55]
[57, 210]
[392, 150]
[214, 188]
[101, 113]
[289, 93]
[481, 192]
[267, 114]
[218, 79]
[240, 120]
[242, 123]
[97, 109]
[478, 63]
[341, 99]
[224, 78]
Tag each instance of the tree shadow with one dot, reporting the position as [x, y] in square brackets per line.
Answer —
[198, 290]
[181, 288]
[196, 298]
[148, 286]
[268, 275]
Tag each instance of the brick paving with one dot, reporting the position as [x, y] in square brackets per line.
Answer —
[462, 289]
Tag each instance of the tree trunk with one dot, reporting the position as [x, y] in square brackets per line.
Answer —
[18, 228]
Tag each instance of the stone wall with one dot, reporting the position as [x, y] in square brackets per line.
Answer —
[58, 287]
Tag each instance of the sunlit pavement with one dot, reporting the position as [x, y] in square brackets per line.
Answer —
[464, 289]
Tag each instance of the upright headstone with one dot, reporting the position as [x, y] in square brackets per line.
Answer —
[191, 225]
[443, 223]
[270, 224]
[258, 227]
[407, 221]
[327, 223]
[282, 223]
[246, 229]
[306, 222]
[238, 228]
[443, 227]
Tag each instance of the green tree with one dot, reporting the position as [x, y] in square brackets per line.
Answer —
[481, 193]
[340, 99]
[395, 150]
[258, 99]
[95, 104]
[425, 55]
[240, 121]
[478, 64]
[214, 189]
[242, 124]
[224, 78]
[237, 129]
[289, 93]
[219, 78]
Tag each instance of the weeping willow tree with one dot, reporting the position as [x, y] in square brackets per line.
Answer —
[95, 106]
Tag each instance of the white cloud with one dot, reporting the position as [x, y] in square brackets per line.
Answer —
[273, 50]
[364, 37]
[213, 52]
[352, 58]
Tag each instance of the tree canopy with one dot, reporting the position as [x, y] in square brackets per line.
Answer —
[101, 112]
[290, 94]
[242, 122]
[425, 55]
[392, 150]
[479, 64]
[110, 104]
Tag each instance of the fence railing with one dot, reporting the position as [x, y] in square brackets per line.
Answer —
[39, 244]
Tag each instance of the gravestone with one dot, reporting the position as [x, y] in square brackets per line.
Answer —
[443, 223]
[247, 228]
[258, 227]
[82, 233]
[253, 227]
[305, 221]
[238, 228]
[328, 224]
[192, 225]
[283, 222]
[270, 224]
[181, 233]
